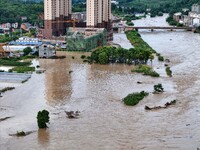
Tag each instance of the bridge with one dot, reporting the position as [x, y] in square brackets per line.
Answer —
[152, 28]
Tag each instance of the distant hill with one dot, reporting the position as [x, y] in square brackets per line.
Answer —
[162, 5]
[12, 10]
[166, 4]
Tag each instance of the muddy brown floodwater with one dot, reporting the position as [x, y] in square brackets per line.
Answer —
[96, 91]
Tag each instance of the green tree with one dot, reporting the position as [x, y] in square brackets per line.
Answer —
[42, 118]
[158, 88]
[103, 58]
[27, 51]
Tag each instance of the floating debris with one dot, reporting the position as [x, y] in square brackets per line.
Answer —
[167, 60]
[6, 89]
[5, 118]
[40, 71]
[22, 133]
[139, 82]
[72, 114]
[161, 107]
[166, 65]
[70, 71]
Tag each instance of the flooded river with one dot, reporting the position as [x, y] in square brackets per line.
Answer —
[96, 91]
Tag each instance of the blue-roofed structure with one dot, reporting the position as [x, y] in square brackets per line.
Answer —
[27, 41]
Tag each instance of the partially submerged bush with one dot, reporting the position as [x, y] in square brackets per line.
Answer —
[134, 98]
[83, 56]
[158, 88]
[42, 118]
[6, 89]
[146, 70]
[152, 73]
[160, 58]
[168, 71]
[22, 133]
[142, 69]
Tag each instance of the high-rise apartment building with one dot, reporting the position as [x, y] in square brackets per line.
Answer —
[196, 8]
[99, 14]
[55, 12]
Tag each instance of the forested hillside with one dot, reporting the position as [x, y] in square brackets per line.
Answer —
[12, 10]
[161, 5]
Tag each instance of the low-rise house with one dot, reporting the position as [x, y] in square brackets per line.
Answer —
[177, 16]
[46, 51]
[15, 25]
[25, 26]
[196, 8]
[80, 16]
[23, 18]
[194, 19]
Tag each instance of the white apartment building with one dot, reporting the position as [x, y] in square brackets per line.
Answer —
[98, 13]
[196, 8]
[56, 10]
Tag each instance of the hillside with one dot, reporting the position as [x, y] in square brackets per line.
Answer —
[162, 5]
[12, 10]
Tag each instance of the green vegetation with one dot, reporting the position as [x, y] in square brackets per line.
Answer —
[197, 30]
[16, 61]
[27, 51]
[168, 71]
[130, 23]
[146, 70]
[83, 56]
[79, 7]
[130, 17]
[42, 118]
[11, 11]
[160, 58]
[13, 62]
[136, 40]
[7, 38]
[109, 54]
[22, 69]
[172, 22]
[134, 98]
[140, 54]
[155, 6]
[6, 89]
[158, 88]
[24, 81]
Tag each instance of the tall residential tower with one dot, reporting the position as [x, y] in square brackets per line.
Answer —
[55, 12]
[99, 15]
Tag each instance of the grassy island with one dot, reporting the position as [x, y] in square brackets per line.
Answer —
[138, 43]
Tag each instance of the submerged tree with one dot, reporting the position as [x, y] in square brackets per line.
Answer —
[42, 118]
[158, 88]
